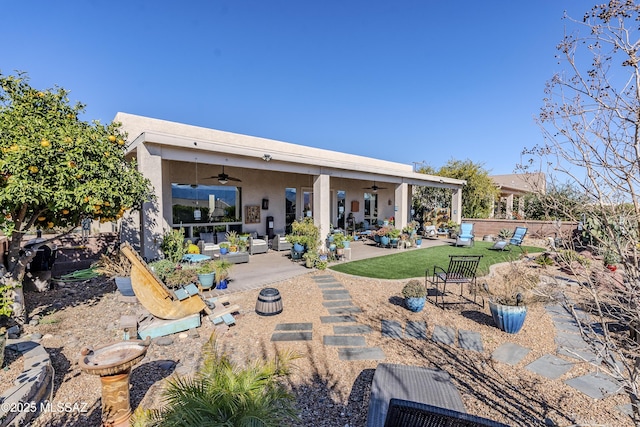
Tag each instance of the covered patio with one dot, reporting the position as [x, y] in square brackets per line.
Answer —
[210, 180]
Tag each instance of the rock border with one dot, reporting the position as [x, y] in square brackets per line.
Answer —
[25, 400]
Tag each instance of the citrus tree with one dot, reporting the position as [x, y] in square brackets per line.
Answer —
[55, 169]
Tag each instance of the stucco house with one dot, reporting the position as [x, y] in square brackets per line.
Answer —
[211, 180]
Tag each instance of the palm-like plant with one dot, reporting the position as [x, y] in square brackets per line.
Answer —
[224, 394]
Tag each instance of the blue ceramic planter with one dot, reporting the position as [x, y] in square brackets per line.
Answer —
[415, 304]
[224, 251]
[384, 240]
[508, 318]
[222, 284]
[297, 247]
[206, 280]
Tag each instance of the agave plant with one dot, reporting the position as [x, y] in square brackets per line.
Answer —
[224, 394]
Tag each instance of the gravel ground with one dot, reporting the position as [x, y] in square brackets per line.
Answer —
[329, 392]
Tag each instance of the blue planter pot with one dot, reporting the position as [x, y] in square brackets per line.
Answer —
[297, 247]
[384, 240]
[222, 284]
[415, 304]
[418, 242]
[224, 251]
[507, 317]
[376, 238]
[206, 280]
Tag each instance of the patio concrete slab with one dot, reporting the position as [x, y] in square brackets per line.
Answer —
[294, 327]
[345, 310]
[595, 385]
[360, 353]
[510, 353]
[470, 340]
[416, 329]
[337, 319]
[352, 329]
[344, 340]
[291, 336]
[339, 303]
[550, 366]
[444, 335]
[391, 329]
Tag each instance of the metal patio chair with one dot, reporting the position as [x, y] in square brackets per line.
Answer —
[461, 271]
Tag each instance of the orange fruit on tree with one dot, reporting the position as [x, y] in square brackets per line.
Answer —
[33, 169]
[42, 218]
[45, 143]
[50, 224]
[65, 211]
[120, 142]
[112, 138]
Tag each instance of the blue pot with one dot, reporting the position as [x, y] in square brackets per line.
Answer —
[418, 242]
[222, 284]
[508, 318]
[297, 247]
[384, 240]
[224, 251]
[415, 304]
[206, 280]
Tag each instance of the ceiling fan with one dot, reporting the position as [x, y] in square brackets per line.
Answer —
[223, 178]
[374, 187]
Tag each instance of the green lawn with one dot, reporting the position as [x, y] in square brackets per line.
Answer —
[414, 263]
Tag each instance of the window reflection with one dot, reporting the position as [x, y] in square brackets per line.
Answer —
[216, 203]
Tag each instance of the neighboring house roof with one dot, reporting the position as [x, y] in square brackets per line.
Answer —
[313, 160]
[520, 183]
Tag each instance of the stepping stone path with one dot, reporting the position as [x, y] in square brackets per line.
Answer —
[349, 335]
[350, 339]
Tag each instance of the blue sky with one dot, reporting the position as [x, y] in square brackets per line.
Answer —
[406, 81]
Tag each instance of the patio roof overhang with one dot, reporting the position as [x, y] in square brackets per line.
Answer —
[179, 142]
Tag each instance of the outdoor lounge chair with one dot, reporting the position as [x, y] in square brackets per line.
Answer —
[279, 243]
[461, 270]
[515, 240]
[257, 246]
[405, 413]
[465, 237]
[415, 383]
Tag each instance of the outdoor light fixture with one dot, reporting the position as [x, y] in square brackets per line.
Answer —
[222, 181]
[266, 157]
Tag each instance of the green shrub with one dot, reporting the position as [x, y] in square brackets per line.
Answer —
[414, 289]
[224, 394]
[172, 245]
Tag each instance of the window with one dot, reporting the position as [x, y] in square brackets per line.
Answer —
[203, 204]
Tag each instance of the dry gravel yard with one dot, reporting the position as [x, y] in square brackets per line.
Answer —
[329, 392]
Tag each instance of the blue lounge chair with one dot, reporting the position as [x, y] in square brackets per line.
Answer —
[465, 237]
[515, 240]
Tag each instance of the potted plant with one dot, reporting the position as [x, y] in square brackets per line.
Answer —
[222, 268]
[304, 236]
[415, 295]
[224, 248]
[206, 274]
[394, 236]
[233, 239]
[311, 258]
[510, 289]
[7, 286]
